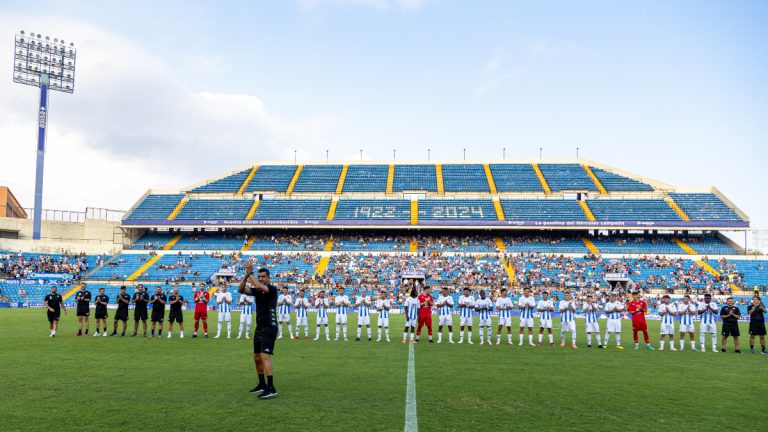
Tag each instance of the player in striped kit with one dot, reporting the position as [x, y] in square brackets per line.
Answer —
[613, 310]
[224, 304]
[567, 323]
[686, 310]
[466, 305]
[527, 305]
[504, 306]
[708, 310]
[321, 305]
[383, 305]
[591, 309]
[411, 306]
[284, 302]
[484, 307]
[546, 308]
[363, 305]
[667, 313]
[444, 304]
[246, 315]
[341, 302]
[301, 305]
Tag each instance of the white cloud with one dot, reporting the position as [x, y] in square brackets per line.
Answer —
[128, 128]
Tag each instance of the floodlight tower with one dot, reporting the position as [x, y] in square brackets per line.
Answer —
[50, 65]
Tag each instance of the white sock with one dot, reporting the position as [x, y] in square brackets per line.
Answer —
[338, 330]
[280, 330]
[618, 339]
[290, 329]
[345, 331]
[599, 341]
[386, 331]
[368, 330]
[573, 338]
[702, 337]
[509, 337]
[521, 339]
[359, 331]
[714, 342]
[439, 337]
[405, 335]
[661, 344]
[229, 328]
[530, 338]
[181, 333]
[551, 338]
[540, 337]
[481, 334]
[607, 337]
[450, 336]
[589, 338]
[248, 330]
[498, 337]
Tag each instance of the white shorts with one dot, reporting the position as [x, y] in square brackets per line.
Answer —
[614, 326]
[246, 319]
[568, 327]
[465, 321]
[708, 328]
[341, 319]
[686, 328]
[322, 320]
[484, 322]
[383, 322]
[593, 327]
[366, 320]
[412, 322]
[284, 318]
[506, 321]
[545, 323]
[667, 329]
[301, 321]
[445, 320]
[526, 322]
[224, 316]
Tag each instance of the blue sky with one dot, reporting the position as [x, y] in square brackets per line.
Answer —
[173, 93]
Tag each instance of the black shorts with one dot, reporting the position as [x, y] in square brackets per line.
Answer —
[139, 314]
[101, 314]
[264, 341]
[158, 315]
[121, 315]
[83, 311]
[731, 330]
[757, 328]
[54, 316]
[177, 316]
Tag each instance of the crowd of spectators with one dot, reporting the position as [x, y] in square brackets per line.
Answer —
[23, 266]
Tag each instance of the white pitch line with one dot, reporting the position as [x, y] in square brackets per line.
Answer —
[411, 423]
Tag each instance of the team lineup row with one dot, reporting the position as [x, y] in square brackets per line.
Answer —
[419, 308]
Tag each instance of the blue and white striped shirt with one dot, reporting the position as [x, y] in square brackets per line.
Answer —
[668, 310]
[362, 308]
[247, 308]
[708, 317]
[341, 304]
[566, 314]
[591, 313]
[384, 305]
[301, 307]
[412, 305]
[322, 308]
[545, 315]
[504, 306]
[223, 306]
[444, 305]
[612, 310]
[466, 304]
[526, 312]
[685, 314]
[284, 302]
[484, 308]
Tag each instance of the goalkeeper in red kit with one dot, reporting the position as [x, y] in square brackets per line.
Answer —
[425, 312]
[637, 308]
[201, 299]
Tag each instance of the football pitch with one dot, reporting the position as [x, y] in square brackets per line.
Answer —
[130, 383]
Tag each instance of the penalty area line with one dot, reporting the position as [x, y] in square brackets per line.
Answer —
[411, 423]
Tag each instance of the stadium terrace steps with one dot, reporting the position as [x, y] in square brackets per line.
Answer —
[490, 180]
[149, 263]
[171, 243]
[500, 244]
[178, 208]
[439, 179]
[252, 210]
[295, 178]
[332, 210]
[542, 180]
[247, 180]
[587, 211]
[595, 180]
[414, 247]
[414, 212]
[498, 208]
[680, 213]
[71, 292]
[508, 268]
[591, 246]
[390, 179]
[249, 243]
[342, 179]
[329, 245]
[322, 266]
[684, 246]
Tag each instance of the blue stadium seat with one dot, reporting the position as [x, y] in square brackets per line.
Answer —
[292, 209]
[457, 209]
[220, 209]
[415, 178]
[373, 209]
[318, 178]
[515, 178]
[632, 210]
[155, 207]
[228, 184]
[704, 207]
[542, 209]
[464, 178]
[567, 177]
[614, 182]
[272, 178]
[366, 178]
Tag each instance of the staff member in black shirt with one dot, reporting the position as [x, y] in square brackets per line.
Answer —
[266, 326]
[140, 300]
[730, 315]
[123, 300]
[756, 313]
[177, 313]
[83, 299]
[101, 303]
[53, 305]
[158, 311]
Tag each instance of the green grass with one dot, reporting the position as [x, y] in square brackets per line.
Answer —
[69, 383]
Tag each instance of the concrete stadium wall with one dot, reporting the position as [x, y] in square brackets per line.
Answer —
[91, 236]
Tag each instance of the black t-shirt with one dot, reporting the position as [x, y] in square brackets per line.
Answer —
[158, 302]
[122, 305]
[176, 307]
[756, 314]
[266, 308]
[104, 300]
[141, 300]
[54, 301]
[731, 320]
[83, 299]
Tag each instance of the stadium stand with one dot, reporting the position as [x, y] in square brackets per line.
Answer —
[228, 184]
[366, 178]
[618, 183]
[465, 178]
[285, 209]
[373, 209]
[155, 207]
[515, 178]
[275, 178]
[542, 209]
[221, 209]
[632, 210]
[704, 206]
[318, 178]
[415, 178]
[456, 209]
[567, 177]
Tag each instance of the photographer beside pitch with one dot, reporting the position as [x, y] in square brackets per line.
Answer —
[266, 326]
